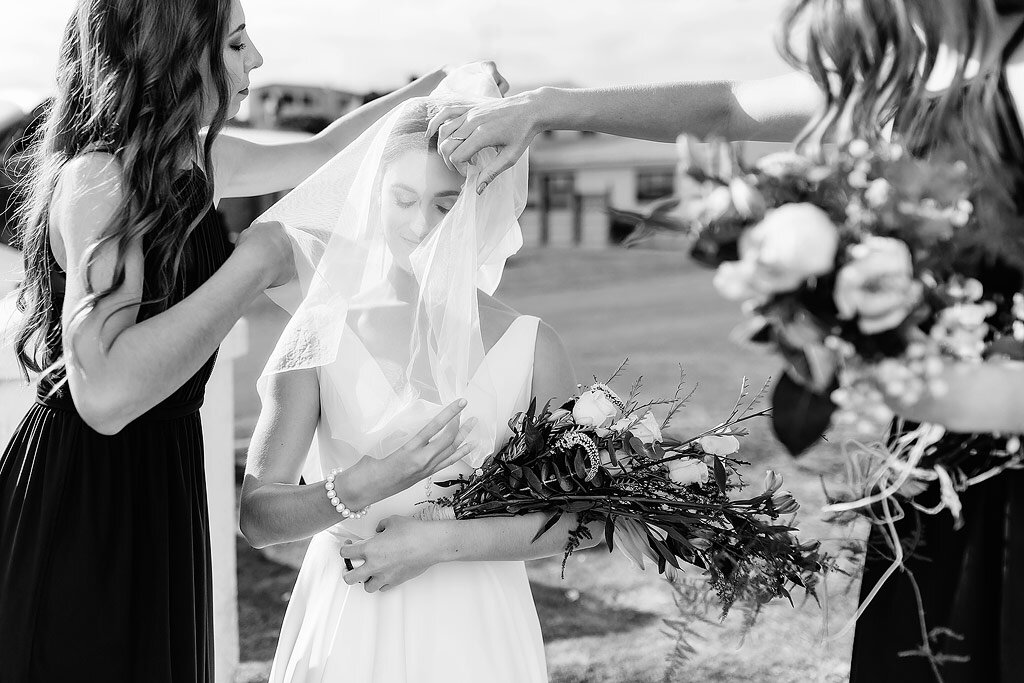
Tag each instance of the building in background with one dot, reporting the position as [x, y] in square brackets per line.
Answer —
[296, 107]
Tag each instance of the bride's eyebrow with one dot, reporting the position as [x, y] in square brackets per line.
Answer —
[448, 193]
[403, 186]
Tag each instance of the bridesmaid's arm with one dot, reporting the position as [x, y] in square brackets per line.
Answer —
[246, 169]
[981, 398]
[405, 548]
[774, 109]
[119, 368]
[275, 509]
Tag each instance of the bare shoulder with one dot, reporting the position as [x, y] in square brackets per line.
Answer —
[87, 194]
[549, 342]
[92, 173]
[553, 373]
[488, 301]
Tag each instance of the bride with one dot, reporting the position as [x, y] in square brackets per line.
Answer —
[395, 319]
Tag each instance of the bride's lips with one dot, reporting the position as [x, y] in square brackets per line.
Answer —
[244, 93]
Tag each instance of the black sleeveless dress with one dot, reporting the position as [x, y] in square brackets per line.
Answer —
[969, 582]
[104, 540]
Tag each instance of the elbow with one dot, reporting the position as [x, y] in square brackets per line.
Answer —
[103, 413]
[248, 524]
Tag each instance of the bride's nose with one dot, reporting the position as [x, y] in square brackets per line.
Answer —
[421, 224]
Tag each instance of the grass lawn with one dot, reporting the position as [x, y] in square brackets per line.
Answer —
[603, 622]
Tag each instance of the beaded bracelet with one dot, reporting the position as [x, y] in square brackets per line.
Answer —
[336, 502]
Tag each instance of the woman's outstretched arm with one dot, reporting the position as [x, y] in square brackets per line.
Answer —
[245, 169]
[979, 398]
[774, 109]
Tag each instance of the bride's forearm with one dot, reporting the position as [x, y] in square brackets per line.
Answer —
[507, 538]
[280, 513]
[978, 398]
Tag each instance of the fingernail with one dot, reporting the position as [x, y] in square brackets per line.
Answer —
[462, 403]
[481, 187]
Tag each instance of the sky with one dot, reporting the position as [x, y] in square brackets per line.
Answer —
[363, 45]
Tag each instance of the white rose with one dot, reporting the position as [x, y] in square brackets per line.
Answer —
[877, 286]
[715, 444]
[688, 471]
[647, 429]
[594, 409]
[792, 244]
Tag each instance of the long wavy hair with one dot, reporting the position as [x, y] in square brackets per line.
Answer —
[873, 58]
[131, 81]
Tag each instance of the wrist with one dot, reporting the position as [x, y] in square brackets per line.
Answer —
[428, 82]
[253, 263]
[444, 542]
[548, 110]
[351, 488]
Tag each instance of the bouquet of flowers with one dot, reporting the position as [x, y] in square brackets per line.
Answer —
[850, 267]
[863, 269]
[659, 499]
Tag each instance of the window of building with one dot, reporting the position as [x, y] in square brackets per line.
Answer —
[559, 187]
[654, 183]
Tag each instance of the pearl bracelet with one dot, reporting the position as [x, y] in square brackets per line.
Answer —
[336, 502]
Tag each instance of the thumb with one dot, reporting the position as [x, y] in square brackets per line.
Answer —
[501, 163]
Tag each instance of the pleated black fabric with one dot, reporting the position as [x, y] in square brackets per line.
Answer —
[104, 540]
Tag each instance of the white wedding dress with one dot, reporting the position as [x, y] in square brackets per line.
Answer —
[458, 622]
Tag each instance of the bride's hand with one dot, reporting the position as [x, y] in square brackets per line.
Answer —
[403, 549]
[442, 442]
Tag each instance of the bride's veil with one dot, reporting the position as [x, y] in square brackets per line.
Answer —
[390, 252]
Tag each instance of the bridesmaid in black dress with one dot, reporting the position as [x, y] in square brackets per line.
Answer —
[960, 592]
[955, 612]
[130, 286]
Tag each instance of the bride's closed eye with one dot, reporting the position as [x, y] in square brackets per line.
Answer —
[404, 198]
[445, 201]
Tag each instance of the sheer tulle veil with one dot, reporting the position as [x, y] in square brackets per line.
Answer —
[390, 252]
